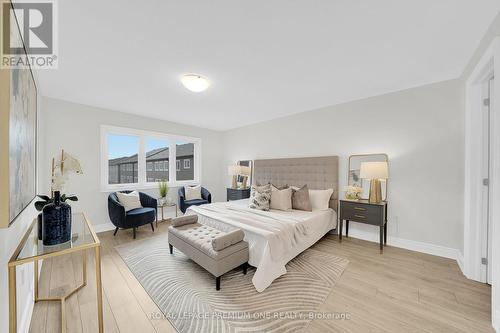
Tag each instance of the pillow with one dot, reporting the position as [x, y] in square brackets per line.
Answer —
[260, 197]
[233, 237]
[129, 200]
[300, 199]
[281, 199]
[320, 199]
[184, 220]
[193, 192]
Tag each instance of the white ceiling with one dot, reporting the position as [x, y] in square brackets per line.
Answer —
[265, 59]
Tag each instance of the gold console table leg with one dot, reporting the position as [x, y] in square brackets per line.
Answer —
[99, 287]
[12, 300]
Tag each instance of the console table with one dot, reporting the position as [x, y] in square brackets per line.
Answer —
[30, 249]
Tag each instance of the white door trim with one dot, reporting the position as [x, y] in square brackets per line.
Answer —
[487, 66]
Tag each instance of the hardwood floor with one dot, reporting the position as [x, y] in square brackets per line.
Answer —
[398, 291]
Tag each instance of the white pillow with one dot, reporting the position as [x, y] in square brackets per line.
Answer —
[129, 201]
[281, 199]
[320, 199]
[193, 192]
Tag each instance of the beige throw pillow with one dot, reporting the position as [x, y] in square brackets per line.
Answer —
[193, 192]
[129, 200]
[320, 199]
[281, 199]
[300, 199]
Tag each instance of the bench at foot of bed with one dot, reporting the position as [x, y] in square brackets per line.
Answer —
[217, 251]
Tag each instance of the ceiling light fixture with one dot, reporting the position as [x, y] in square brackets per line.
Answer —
[195, 82]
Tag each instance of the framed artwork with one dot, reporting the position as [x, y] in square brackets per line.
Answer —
[18, 126]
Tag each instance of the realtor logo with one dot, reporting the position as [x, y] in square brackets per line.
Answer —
[29, 34]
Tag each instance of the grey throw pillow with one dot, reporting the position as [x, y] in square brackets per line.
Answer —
[260, 197]
[300, 199]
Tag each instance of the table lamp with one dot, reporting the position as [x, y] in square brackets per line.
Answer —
[374, 171]
[245, 172]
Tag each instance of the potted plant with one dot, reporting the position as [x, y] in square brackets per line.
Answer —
[163, 189]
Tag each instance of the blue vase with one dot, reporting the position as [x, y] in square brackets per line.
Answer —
[56, 222]
[39, 225]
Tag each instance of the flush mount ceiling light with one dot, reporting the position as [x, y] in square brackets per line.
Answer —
[195, 82]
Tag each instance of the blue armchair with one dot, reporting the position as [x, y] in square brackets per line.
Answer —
[133, 218]
[184, 204]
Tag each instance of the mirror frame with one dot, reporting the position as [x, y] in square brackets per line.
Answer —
[362, 155]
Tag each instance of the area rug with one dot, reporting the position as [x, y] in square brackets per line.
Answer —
[186, 295]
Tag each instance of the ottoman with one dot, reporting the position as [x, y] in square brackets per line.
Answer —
[216, 251]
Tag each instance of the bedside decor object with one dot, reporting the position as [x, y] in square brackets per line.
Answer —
[353, 192]
[245, 180]
[18, 126]
[354, 174]
[233, 170]
[163, 189]
[363, 211]
[374, 171]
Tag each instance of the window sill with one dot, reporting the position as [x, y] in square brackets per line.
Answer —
[147, 186]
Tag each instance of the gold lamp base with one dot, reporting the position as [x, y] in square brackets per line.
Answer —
[375, 191]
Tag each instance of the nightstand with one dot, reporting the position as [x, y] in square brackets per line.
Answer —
[237, 193]
[362, 211]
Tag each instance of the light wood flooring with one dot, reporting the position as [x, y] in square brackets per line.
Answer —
[398, 291]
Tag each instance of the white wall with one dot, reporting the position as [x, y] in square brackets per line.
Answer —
[76, 128]
[421, 130]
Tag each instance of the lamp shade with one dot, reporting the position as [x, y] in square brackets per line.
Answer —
[374, 170]
[233, 170]
[244, 170]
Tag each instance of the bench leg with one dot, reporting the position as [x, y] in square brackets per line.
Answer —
[152, 227]
[245, 266]
[116, 230]
[171, 248]
[217, 283]
[134, 233]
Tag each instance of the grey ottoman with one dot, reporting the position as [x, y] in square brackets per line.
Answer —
[216, 251]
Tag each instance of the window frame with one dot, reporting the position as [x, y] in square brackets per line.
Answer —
[143, 135]
[188, 163]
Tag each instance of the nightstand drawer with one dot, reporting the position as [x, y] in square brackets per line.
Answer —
[370, 214]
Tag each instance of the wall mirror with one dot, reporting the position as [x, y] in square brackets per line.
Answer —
[354, 178]
[245, 181]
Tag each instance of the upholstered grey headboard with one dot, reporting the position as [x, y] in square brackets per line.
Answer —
[318, 173]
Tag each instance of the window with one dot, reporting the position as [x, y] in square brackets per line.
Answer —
[186, 151]
[122, 151]
[137, 159]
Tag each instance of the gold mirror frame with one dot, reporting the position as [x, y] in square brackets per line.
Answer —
[366, 155]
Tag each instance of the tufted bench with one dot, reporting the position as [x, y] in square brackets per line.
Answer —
[216, 251]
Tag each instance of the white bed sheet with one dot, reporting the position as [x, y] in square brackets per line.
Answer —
[268, 269]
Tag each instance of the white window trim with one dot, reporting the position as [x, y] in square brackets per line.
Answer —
[142, 180]
[188, 164]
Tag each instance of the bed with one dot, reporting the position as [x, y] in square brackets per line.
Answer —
[276, 237]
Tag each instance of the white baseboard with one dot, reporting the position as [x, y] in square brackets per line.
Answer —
[104, 227]
[436, 250]
[460, 261]
[496, 321]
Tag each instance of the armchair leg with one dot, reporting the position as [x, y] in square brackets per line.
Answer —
[134, 232]
[116, 230]
[152, 227]
[171, 248]
[217, 283]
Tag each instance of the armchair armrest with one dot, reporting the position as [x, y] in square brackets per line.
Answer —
[205, 194]
[148, 201]
[116, 212]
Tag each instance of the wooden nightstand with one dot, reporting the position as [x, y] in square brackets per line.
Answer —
[237, 194]
[362, 211]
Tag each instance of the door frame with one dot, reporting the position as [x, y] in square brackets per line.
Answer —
[473, 227]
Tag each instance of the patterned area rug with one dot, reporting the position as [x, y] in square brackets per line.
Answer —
[186, 293]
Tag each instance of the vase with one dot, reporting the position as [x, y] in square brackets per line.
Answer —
[39, 225]
[56, 222]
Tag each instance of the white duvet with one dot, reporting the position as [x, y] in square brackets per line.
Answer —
[274, 237]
